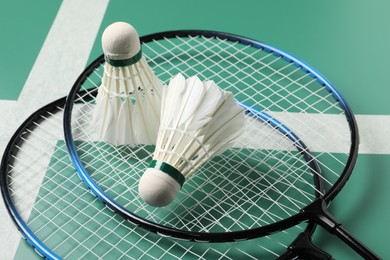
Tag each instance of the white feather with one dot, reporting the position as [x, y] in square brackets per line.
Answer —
[194, 93]
[106, 131]
[124, 122]
[171, 98]
[206, 107]
[223, 128]
[127, 109]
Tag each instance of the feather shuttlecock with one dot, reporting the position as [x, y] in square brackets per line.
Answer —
[129, 98]
[198, 121]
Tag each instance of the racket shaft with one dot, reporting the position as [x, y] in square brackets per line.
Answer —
[355, 244]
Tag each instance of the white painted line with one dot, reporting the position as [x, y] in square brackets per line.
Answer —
[319, 132]
[6, 108]
[62, 58]
[374, 133]
[65, 52]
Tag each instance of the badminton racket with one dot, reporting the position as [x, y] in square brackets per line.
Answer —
[268, 181]
[60, 218]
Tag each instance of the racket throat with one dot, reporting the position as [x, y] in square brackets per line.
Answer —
[318, 212]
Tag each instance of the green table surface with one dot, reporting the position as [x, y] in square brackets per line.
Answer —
[347, 41]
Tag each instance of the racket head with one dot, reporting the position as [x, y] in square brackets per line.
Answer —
[61, 218]
[300, 104]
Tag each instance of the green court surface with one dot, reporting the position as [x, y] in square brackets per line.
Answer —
[23, 31]
[346, 41]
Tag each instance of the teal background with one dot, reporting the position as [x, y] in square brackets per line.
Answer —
[347, 41]
[23, 29]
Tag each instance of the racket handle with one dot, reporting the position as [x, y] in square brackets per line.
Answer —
[318, 211]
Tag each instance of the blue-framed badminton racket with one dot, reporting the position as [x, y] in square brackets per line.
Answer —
[266, 182]
[59, 217]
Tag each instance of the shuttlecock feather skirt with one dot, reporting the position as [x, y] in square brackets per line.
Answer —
[127, 110]
[198, 121]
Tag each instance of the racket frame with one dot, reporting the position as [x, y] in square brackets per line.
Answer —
[23, 228]
[204, 236]
[316, 211]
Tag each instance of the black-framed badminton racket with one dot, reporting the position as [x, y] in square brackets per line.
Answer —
[58, 216]
[299, 132]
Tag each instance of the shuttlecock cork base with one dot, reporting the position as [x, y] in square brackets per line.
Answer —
[160, 183]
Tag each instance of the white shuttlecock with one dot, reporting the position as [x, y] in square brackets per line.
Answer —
[198, 122]
[128, 102]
